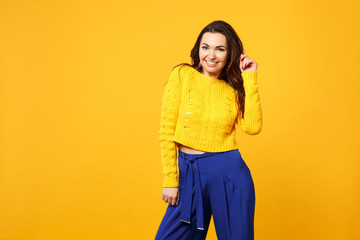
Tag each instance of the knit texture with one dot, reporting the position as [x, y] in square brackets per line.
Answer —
[201, 112]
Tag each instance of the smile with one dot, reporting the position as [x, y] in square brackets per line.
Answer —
[211, 64]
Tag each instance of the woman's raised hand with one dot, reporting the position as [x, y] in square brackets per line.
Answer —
[247, 64]
[171, 195]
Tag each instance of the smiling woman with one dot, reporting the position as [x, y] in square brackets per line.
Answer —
[213, 56]
[201, 105]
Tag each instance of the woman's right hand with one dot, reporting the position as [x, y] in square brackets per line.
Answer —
[171, 195]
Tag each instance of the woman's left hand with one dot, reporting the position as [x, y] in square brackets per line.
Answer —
[247, 64]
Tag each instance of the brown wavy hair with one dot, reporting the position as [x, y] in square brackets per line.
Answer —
[231, 72]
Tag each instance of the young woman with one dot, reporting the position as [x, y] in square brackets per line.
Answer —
[204, 173]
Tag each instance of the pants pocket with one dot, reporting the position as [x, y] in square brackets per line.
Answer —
[228, 184]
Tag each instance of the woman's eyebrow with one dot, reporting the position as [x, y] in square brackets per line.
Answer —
[216, 46]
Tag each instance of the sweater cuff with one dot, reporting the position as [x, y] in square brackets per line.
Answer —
[250, 77]
[170, 181]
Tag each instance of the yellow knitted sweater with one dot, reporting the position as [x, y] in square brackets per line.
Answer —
[200, 112]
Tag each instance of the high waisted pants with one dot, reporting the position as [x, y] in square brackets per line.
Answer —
[212, 183]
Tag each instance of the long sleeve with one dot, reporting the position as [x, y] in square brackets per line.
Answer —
[252, 121]
[169, 115]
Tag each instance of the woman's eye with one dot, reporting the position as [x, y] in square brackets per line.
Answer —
[221, 49]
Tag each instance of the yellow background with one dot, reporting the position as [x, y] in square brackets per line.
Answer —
[80, 93]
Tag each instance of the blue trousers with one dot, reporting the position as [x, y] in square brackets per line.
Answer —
[217, 184]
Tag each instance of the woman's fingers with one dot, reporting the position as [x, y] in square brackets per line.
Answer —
[244, 61]
[170, 195]
[173, 202]
[242, 56]
[246, 65]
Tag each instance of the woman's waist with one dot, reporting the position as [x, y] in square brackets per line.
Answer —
[189, 150]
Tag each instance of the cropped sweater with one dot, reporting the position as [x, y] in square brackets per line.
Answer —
[201, 112]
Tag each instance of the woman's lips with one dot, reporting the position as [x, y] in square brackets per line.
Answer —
[211, 64]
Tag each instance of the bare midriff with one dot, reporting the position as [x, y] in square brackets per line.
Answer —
[190, 150]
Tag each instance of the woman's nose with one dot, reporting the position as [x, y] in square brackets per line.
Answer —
[212, 54]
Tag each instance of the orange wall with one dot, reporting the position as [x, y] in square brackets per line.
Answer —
[80, 93]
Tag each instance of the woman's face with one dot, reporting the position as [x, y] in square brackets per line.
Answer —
[213, 53]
